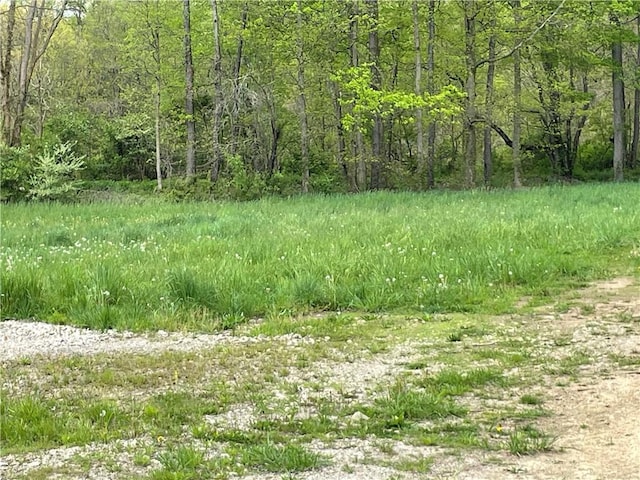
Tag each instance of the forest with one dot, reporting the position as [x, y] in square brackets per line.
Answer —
[242, 98]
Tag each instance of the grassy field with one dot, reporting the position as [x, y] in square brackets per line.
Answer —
[206, 266]
[378, 329]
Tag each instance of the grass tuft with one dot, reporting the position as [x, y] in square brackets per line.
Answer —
[528, 440]
[402, 405]
[281, 458]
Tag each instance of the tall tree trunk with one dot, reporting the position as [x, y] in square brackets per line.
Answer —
[358, 144]
[154, 30]
[431, 136]
[188, 66]
[470, 12]
[420, 157]
[237, 65]
[34, 46]
[633, 156]
[302, 103]
[487, 151]
[582, 120]
[517, 101]
[216, 165]
[377, 133]
[157, 133]
[387, 153]
[276, 132]
[549, 83]
[618, 106]
[5, 76]
[23, 74]
[341, 143]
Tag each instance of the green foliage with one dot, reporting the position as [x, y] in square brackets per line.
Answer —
[595, 159]
[55, 172]
[243, 183]
[95, 86]
[36, 422]
[366, 101]
[15, 171]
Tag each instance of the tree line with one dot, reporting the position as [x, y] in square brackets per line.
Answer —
[320, 95]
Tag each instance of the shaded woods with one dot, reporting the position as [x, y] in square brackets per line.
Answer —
[254, 97]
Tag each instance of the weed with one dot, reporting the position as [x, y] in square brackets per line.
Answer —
[191, 289]
[625, 360]
[587, 309]
[181, 459]
[413, 465]
[528, 440]
[562, 340]
[280, 458]
[452, 382]
[402, 404]
[456, 435]
[528, 399]
[22, 293]
[455, 337]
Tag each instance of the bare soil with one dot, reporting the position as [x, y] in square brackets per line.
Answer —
[596, 421]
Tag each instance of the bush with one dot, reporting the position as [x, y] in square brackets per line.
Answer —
[54, 173]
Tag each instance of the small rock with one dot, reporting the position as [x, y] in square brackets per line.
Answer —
[358, 417]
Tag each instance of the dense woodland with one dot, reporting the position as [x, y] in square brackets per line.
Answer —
[246, 97]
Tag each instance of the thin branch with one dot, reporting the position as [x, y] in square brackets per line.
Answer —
[526, 40]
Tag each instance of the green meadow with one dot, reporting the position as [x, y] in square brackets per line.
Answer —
[209, 266]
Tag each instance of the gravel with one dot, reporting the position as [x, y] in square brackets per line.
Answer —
[24, 339]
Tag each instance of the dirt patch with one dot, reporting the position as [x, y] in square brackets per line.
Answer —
[596, 422]
[598, 428]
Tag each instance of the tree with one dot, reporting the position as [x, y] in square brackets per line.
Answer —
[237, 80]
[487, 151]
[376, 84]
[635, 143]
[421, 160]
[216, 164]
[302, 101]
[358, 142]
[470, 9]
[517, 97]
[325, 94]
[6, 50]
[431, 136]
[618, 103]
[15, 94]
[154, 42]
[188, 75]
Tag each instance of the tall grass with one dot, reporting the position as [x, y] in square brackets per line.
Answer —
[210, 265]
